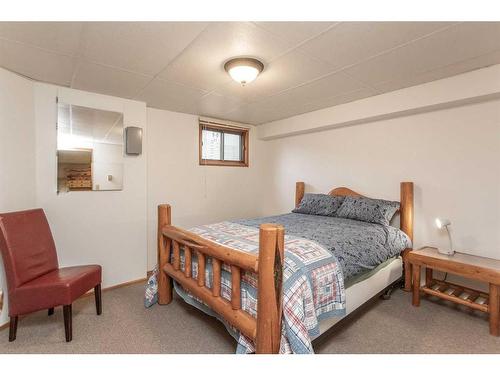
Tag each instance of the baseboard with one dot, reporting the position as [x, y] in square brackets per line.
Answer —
[128, 283]
[91, 292]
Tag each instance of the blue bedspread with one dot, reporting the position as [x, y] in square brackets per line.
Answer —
[358, 246]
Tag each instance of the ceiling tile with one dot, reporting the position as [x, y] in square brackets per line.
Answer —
[142, 47]
[332, 85]
[202, 64]
[337, 100]
[36, 63]
[236, 117]
[351, 42]
[171, 96]
[291, 104]
[62, 37]
[246, 113]
[109, 81]
[213, 105]
[461, 42]
[295, 32]
[443, 72]
[290, 70]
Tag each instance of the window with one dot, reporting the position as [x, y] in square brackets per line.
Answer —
[223, 145]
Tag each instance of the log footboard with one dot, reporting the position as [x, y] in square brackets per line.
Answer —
[265, 329]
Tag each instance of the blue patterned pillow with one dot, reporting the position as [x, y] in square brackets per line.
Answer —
[376, 211]
[319, 204]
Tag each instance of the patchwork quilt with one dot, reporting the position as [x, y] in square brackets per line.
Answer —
[313, 285]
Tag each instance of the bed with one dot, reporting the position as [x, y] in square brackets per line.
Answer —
[280, 282]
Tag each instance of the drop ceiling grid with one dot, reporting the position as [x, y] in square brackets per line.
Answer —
[157, 75]
[344, 68]
[125, 59]
[440, 27]
[218, 90]
[149, 75]
[477, 62]
[490, 58]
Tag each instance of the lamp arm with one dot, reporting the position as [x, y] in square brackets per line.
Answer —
[449, 238]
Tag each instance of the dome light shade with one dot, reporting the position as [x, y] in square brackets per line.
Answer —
[244, 69]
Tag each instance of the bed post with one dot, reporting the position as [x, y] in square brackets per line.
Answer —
[406, 225]
[299, 192]
[164, 281]
[270, 294]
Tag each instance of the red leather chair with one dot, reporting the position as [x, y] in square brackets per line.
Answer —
[35, 281]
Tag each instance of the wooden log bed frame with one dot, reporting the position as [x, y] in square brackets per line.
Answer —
[265, 329]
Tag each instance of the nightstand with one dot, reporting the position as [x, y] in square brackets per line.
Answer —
[468, 266]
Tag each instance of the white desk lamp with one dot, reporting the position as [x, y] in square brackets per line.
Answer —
[444, 223]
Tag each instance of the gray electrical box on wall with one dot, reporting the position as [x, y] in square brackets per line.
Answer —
[133, 140]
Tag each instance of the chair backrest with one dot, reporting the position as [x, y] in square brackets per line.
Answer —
[27, 246]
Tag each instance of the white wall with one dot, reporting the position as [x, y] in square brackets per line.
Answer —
[452, 156]
[198, 194]
[104, 227]
[17, 153]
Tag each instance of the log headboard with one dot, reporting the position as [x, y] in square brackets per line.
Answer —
[405, 213]
[406, 202]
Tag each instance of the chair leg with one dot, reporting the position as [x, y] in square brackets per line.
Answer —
[51, 311]
[98, 299]
[12, 328]
[68, 324]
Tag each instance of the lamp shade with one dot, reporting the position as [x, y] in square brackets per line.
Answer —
[244, 69]
[441, 223]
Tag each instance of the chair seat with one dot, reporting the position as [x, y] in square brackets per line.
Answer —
[59, 287]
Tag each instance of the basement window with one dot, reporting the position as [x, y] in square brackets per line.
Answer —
[223, 145]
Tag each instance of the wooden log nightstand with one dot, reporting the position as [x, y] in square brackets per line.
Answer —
[465, 265]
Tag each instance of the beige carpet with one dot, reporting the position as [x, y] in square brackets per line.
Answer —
[392, 326]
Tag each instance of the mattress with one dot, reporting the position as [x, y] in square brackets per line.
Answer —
[366, 288]
[367, 274]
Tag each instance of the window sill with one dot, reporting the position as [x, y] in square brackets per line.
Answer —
[223, 163]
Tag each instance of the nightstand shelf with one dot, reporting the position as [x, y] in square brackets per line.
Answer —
[458, 294]
[465, 265]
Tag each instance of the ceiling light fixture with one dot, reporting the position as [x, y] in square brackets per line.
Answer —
[243, 69]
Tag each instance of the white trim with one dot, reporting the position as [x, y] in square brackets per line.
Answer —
[472, 87]
[219, 122]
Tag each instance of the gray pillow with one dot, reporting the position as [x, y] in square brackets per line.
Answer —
[319, 204]
[376, 211]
